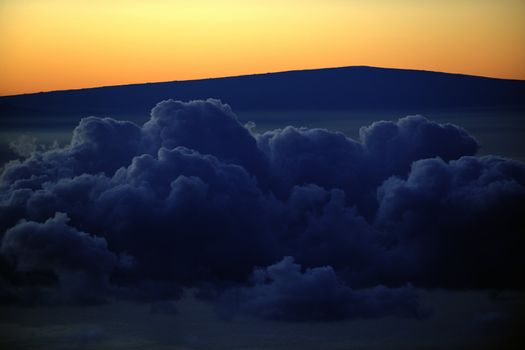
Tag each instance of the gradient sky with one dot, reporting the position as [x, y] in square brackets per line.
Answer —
[62, 44]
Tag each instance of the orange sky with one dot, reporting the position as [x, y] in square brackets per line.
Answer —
[62, 44]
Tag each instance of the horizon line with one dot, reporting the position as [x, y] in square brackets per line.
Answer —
[257, 74]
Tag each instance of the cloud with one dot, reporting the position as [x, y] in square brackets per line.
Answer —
[208, 128]
[459, 220]
[193, 198]
[98, 145]
[399, 143]
[23, 146]
[82, 263]
[283, 292]
[331, 160]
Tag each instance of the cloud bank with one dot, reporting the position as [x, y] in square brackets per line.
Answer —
[334, 228]
[283, 292]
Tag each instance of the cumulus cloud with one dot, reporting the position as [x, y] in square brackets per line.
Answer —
[459, 220]
[97, 146]
[82, 263]
[24, 145]
[208, 128]
[283, 292]
[331, 160]
[193, 198]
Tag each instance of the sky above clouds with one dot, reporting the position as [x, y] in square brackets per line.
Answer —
[58, 44]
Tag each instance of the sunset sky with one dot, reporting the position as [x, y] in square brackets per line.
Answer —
[63, 44]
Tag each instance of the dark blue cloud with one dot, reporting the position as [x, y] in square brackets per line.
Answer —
[320, 228]
[311, 156]
[103, 145]
[208, 127]
[331, 160]
[194, 199]
[283, 292]
[97, 146]
[81, 262]
[397, 144]
[457, 224]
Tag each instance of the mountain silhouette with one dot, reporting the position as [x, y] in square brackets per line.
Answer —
[349, 88]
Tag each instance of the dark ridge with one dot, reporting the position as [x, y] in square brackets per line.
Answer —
[350, 88]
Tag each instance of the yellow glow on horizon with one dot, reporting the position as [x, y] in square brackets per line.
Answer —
[62, 44]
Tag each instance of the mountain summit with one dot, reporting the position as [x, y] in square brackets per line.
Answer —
[350, 88]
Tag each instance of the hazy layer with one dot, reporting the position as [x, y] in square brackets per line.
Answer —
[459, 320]
[499, 132]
